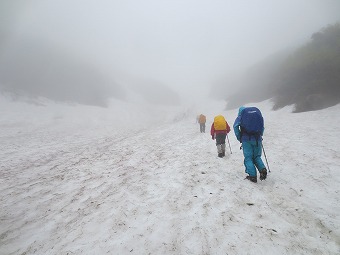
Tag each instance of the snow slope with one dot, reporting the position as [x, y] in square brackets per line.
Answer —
[87, 180]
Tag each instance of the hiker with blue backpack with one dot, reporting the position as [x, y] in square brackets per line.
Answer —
[249, 128]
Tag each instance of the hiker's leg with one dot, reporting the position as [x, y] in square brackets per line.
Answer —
[220, 138]
[248, 158]
[223, 148]
[219, 141]
[257, 148]
[223, 137]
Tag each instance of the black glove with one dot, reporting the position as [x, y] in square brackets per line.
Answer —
[212, 137]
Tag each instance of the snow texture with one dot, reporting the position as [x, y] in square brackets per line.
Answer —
[132, 179]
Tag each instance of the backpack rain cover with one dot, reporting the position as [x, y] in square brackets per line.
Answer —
[220, 123]
[252, 121]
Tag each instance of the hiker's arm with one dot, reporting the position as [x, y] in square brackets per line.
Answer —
[237, 128]
[212, 131]
[228, 127]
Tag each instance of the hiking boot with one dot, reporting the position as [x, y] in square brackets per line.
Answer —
[263, 174]
[252, 178]
[220, 155]
[223, 154]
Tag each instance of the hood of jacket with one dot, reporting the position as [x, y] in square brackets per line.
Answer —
[240, 110]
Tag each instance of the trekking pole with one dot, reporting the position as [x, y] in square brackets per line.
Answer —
[229, 144]
[265, 157]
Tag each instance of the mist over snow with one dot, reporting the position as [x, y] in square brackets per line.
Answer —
[32, 68]
[73, 50]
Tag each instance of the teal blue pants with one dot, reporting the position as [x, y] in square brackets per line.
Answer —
[252, 152]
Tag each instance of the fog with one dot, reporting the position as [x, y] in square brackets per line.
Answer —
[182, 46]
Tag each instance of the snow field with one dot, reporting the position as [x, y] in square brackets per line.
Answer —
[83, 180]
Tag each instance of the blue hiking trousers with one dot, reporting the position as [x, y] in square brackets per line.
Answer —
[252, 152]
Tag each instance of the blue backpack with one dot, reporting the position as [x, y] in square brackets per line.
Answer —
[252, 122]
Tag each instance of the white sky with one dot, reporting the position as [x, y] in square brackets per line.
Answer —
[186, 44]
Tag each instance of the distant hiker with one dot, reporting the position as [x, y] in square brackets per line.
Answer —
[201, 120]
[249, 128]
[219, 130]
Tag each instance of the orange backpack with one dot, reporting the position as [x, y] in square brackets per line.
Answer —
[202, 119]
